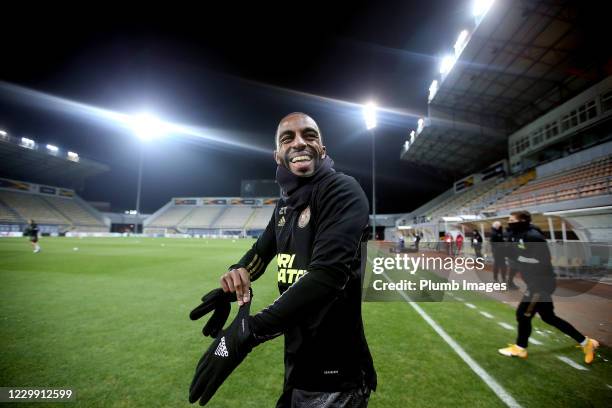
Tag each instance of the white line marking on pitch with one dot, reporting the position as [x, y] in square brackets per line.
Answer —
[572, 363]
[505, 325]
[478, 370]
[536, 342]
[471, 306]
[487, 315]
[609, 386]
[459, 299]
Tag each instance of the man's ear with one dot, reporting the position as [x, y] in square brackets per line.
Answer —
[324, 152]
[276, 158]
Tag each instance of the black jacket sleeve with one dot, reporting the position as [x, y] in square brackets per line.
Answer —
[261, 253]
[341, 217]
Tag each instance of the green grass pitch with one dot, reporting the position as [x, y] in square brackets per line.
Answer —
[110, 320]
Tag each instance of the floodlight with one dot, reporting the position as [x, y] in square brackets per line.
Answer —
[433, 89]
[481, 7]
[147, 127]
[461, 41]
[29, 143]
[52, 148]
[3, 132]
[420, 125]
[412, 135]
[452, 219]
[73, 156]
[369, 114]
[447, 64]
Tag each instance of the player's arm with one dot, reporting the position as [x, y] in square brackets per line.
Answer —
[342, 216]
[251, 266]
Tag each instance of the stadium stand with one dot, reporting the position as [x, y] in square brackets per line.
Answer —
[50, 210]
[260, 218]
[234, 217]
[77, 213]
[551, 165]
[549, 123]
[30, 206]
[172, 217]
[55, 209]
[8, 215]
[591, 179]
[212, 216]
[202, 217]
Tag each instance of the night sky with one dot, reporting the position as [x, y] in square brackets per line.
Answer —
[235, 71]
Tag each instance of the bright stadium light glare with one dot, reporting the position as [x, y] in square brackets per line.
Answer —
[420, 125]
[369, 115]
[73, 156]
[147, 127]
[447, 64]
[461, 41]
[52, 148]
[452, 219]
[412, 135]
[481, 7]
[29, 143]
[3, 132]
[433, 89]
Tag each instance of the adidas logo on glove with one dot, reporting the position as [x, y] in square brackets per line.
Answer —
[221, 350]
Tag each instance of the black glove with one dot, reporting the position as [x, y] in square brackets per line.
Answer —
[216, 300]
[224, 354]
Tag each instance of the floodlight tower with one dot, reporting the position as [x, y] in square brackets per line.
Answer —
[369, 115]
[146, 127]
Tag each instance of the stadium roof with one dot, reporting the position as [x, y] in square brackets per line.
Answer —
[41, 164]
[516, 63]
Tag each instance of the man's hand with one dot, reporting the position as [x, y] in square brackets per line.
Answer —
[222, 357]
[239, 281]
[216, 300]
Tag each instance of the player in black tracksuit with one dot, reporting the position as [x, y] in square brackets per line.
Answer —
[314, 238]
[32, 231]
[529, 249]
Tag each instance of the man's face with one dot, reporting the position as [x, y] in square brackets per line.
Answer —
[512, 219]
[298, 145]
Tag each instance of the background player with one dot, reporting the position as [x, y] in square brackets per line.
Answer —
[529, 249]
[32, 231]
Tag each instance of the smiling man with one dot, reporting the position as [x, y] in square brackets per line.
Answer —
[299, 145]
[315, 235]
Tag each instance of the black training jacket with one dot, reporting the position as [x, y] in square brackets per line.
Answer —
[531, 255]
[316, 248]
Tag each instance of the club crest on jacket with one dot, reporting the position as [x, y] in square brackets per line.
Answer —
[304, 217]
